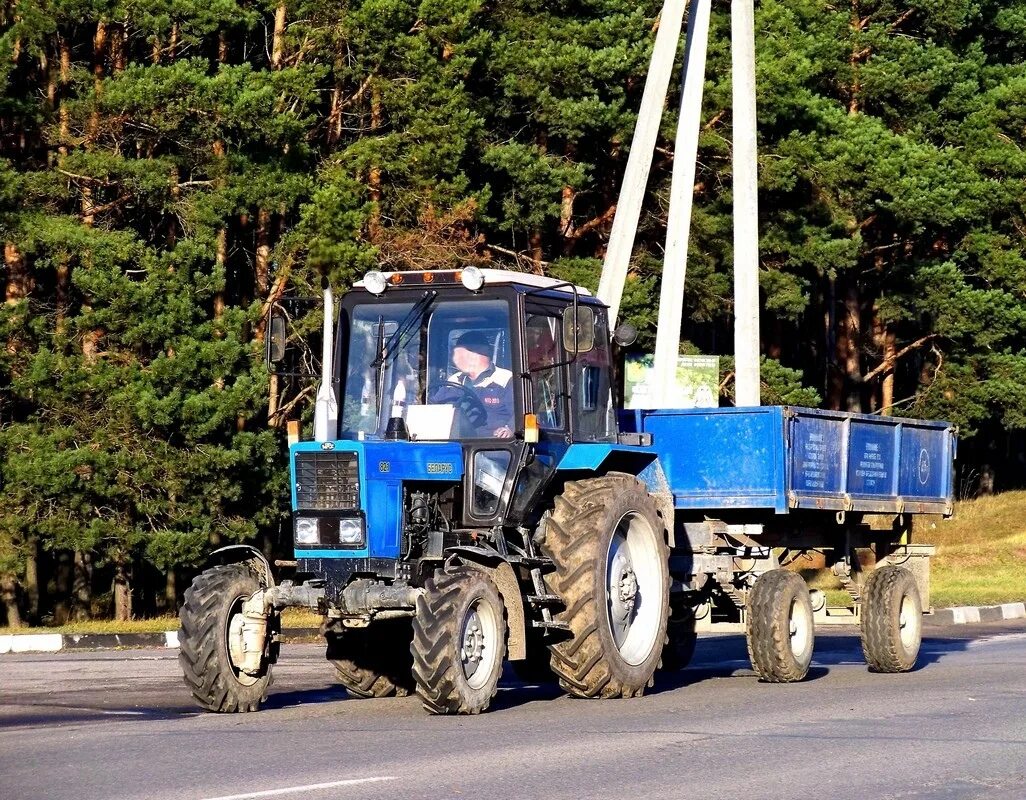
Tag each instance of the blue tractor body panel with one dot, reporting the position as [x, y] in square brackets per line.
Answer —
[784, 458]
[382, 467]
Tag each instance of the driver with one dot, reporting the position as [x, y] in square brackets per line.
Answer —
[492, 385]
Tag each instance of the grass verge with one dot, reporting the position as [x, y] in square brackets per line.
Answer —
[291, 618]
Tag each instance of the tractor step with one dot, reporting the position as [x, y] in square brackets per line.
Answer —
[554, 624]
[543, 599]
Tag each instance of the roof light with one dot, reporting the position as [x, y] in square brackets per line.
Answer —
[472, 278]
[375, 282]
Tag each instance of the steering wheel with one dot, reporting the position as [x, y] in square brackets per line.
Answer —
[469, 404]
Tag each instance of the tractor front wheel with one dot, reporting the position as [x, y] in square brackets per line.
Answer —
[211, 621]
[459, 641]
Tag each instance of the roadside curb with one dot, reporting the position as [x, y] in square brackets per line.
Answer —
[56, 642]
[965, 615]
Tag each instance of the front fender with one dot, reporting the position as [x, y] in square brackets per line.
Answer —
[237, 553]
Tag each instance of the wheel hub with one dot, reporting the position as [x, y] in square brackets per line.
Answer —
[473, 644]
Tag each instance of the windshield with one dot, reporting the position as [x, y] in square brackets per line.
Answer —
[442, 365]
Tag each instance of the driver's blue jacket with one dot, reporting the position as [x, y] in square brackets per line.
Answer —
[494, 387]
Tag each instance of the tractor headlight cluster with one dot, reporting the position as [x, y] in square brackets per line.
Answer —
[330, 532]
[306, 531]
[350, 531]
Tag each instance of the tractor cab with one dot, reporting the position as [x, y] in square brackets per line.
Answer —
[510, 367]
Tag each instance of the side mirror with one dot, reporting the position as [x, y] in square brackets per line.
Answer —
[277, 334]
[578, 329]
[625, 334]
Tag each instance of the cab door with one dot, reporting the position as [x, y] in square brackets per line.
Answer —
[546, 396]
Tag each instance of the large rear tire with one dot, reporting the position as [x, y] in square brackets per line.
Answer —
[374, 661]
[892, 620]
[780, 630]
[211, 604]
[607, 541]
[459, 641]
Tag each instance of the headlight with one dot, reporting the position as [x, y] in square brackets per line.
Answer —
[306, 531]
[472, 278]
[350, 531]
[375, 282]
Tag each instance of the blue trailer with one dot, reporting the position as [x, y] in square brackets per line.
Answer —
[474, 496]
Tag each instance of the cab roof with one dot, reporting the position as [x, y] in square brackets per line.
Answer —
[492, 277]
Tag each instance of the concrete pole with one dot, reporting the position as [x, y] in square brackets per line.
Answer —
[678, 225]
[639, 162]
[746, 205]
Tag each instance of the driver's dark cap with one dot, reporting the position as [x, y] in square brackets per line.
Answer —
[475, 342]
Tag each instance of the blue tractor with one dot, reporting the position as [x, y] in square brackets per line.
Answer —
[473, 496]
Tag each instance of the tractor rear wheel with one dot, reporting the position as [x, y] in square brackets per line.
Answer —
[374, 661]
[780, 631]
[892, 620]
[210, 618]
[459, 641]
[607, 541]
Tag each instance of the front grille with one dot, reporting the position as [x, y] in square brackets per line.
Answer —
[327, 481]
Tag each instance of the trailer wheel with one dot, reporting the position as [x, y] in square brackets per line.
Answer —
[459, 642]
[892, 620]
[780, 631]
[607, 541]
[374, 661]
[212, 603]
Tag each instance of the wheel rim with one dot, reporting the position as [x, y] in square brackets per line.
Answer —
[233, 634]
[479, 643]
[634, 587]
[800, 629]
[908, 622]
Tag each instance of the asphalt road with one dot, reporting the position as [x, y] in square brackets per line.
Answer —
[120, 725]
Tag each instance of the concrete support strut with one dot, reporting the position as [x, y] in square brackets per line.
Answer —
[639, 162]
[746, 205]
[678, 225]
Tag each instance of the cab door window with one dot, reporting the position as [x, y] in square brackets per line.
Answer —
[544, 359]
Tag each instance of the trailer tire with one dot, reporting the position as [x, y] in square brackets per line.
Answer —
[602, 531]
[375, 661]
[213, 599]
[780, 630]
[892, 620]
[459, 641]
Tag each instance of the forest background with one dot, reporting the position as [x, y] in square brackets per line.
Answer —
[167, 168]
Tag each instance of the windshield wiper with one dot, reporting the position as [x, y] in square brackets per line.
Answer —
[398, 340]
[400, 337]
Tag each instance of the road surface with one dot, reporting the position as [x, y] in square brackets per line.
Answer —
[109, 725]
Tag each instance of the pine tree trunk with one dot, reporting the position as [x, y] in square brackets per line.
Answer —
[374, 178]
[99, 55]
[63, 115]
[9, 595]
[31, 582]
[536, 251]
[62, 585]
[278, 38]
[262, 258]
[83, 585]
[122, 590]
[887, 384]
[851, 320]
[171, 591]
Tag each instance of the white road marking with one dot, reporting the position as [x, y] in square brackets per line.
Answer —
[310, 787]
[124, 713]
[1000, 638]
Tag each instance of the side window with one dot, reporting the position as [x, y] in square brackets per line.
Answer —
[594, 418]
[543, 332]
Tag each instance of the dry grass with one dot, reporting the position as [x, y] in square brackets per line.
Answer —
[981, 551]
[291, 618]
